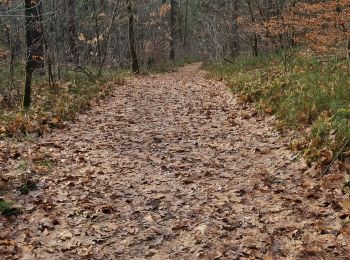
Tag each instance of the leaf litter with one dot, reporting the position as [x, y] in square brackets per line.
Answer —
[172, 166]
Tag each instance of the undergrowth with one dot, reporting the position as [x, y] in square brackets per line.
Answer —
[306, 94]
[54, 104]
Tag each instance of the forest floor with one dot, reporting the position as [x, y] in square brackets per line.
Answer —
[172, 166]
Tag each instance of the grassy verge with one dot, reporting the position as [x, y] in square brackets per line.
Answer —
[306, 94]
[52, 105]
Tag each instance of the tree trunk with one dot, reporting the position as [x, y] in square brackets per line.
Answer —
[255, 50]
[348, 50]
[56, 21]
[72, 32]
[132, 41]
[186, 24]
[34, 42]
[172, 29]
[106, 40]
[10, 46]
[255, 47]
[97, 30]
[236, 48]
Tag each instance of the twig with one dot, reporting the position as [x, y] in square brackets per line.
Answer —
[87, 72]
[228, 60]
[334, 159]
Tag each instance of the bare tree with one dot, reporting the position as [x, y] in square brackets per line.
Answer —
[173, 5]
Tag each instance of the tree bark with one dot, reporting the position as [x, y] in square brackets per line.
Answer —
[34, 42]
[132, 41]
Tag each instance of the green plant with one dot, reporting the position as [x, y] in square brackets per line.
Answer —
[7, 209]
[27, 186]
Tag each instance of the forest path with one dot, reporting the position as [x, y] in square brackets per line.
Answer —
[172, 167]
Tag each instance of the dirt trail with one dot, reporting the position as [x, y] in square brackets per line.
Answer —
[172, 167]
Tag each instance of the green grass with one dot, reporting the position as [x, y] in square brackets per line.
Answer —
[7, 209]
[305, 93]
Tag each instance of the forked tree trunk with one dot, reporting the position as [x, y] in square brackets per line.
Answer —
[132, 41]
[34, 42]
[106, 40]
